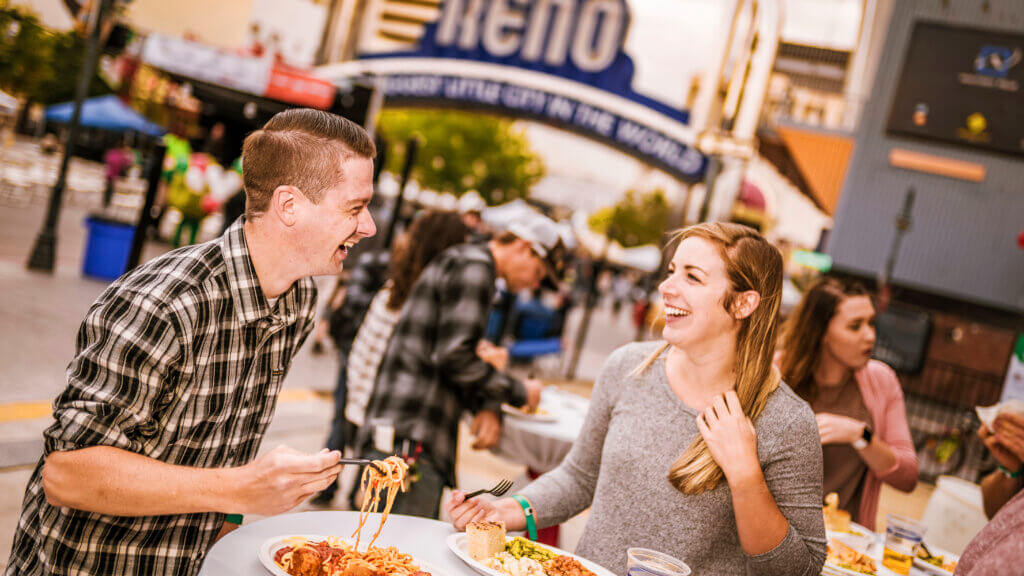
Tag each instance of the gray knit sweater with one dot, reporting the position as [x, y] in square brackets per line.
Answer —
[634, 431]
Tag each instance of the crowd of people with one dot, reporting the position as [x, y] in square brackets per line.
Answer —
[707, 444]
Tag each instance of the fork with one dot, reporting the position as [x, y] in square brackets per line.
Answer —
[363, 462]
[499, 489]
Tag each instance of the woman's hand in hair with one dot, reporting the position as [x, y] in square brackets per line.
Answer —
[836, 429]
[730, 437]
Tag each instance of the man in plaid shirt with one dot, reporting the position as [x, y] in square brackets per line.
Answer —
[432, 372]
[178, 366]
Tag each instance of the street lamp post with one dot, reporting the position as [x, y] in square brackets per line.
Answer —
[45, 248]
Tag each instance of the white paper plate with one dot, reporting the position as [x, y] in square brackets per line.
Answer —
[872, 550]
[459, 544]
[272, 545]
[513, 411]
[859, 538]
[932, 568]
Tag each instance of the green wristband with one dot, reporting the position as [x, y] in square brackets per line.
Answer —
[234, 519]
[531, 523]
[1006, 472]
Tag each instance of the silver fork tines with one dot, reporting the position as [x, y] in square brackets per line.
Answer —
[499, 489]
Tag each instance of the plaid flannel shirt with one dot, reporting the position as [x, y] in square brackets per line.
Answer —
[431, 372]
[181, 361]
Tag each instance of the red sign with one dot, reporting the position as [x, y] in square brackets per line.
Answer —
[295, 87]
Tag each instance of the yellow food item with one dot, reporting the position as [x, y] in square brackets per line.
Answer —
[836, 520]
[520, 547]
[939, 561]
[841, 555]
[485, 539]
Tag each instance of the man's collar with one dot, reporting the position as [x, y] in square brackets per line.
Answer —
[246, 292]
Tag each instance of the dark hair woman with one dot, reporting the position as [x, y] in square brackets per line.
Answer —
[857, 401]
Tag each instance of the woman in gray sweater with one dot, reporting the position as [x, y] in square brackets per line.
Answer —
[693, 446]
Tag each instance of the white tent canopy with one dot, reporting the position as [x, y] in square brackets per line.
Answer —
[8, 103]
[505, 214]
[646, 258]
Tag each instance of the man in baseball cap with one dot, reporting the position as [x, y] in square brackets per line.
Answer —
[432, 372]
[543, 236]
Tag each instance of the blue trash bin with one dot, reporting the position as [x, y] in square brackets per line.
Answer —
[107, 248]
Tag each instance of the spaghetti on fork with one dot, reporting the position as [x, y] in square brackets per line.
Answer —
[377, 486]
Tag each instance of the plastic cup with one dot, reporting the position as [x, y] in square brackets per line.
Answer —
[383, 434]
[644, 562]
[902, 537]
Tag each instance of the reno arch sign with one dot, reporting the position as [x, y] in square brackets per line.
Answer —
[590, 32]
[562, 62]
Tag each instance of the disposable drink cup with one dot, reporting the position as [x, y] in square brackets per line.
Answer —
[644, 562]
[383, 434]
[902, 537]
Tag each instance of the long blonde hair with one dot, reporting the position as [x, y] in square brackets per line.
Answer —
[751, 263]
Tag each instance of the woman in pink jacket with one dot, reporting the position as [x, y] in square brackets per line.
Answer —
[858, 402]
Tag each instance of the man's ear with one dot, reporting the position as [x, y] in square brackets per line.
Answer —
[284, 203]
[745, 303]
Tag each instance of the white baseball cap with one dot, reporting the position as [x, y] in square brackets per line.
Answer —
[543, 235]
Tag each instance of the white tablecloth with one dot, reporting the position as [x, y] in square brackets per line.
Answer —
[541, 445]
[236, 553]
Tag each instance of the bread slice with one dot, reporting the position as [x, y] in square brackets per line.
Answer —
[836, 520]
[485, 539]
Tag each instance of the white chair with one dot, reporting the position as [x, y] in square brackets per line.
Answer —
[954, 514]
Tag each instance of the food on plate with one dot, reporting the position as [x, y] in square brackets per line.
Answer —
[519, 556]
[843, 556]
[511, 566]
[566, 566]
[335, 557]
[836, 520]
[374, 484]
[485, 539]
[522, 548]
[925, 555]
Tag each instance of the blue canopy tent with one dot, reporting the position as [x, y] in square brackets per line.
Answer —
[106, 113]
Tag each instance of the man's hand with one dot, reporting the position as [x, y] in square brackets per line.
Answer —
[1005, 458]
[281, 479]
[496, 356]
[1009, 431]
[486, 428]
[533, 390]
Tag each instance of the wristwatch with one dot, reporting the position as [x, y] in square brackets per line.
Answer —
[864, 440]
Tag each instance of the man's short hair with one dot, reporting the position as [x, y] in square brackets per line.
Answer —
[299, 147]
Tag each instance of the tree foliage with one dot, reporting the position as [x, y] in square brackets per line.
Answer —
[462, 151]
[26, 51]
[39, 64]
[636, 220]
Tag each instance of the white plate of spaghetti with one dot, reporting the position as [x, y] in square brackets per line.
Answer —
[313, 555]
